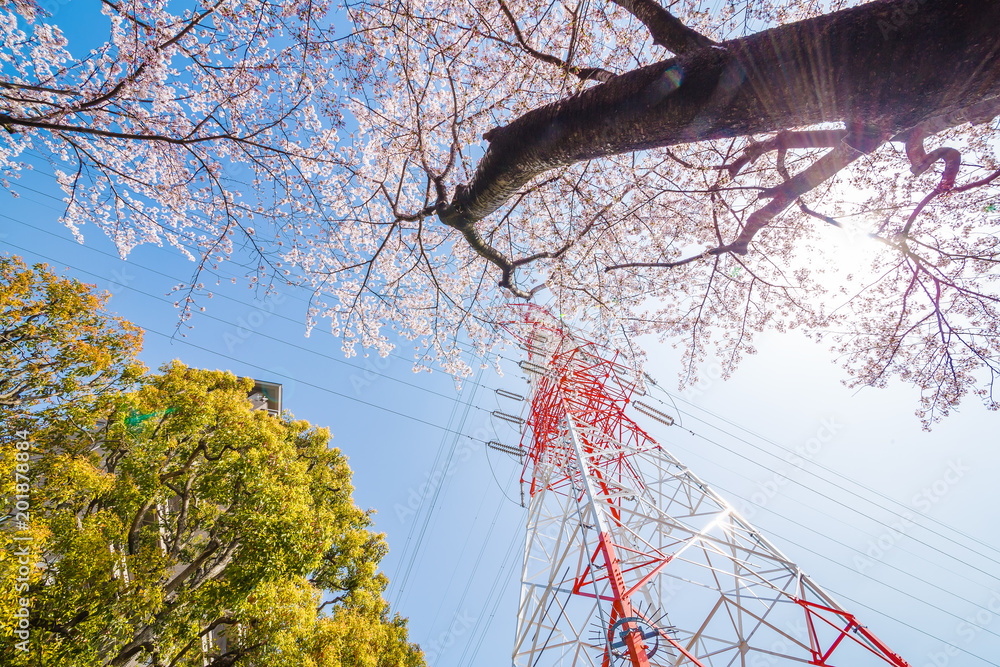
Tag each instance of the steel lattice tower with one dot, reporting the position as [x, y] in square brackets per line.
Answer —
[630, 558]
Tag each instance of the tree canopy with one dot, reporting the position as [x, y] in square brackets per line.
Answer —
[170, 522]
[57, 340]
[688, 171]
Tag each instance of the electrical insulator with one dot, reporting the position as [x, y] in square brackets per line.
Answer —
[534, 349]
[513, 419]
[653, 413]
[531, 367]
[516, 452]
[509, 394]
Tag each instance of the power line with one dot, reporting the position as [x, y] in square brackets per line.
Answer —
[218, 319]
[478, 559]
[429, 513]
[274, 372]
[848, 507]
[732, 494]
[829, 516]
[834, 472]
[508, 561]
[834, 484]
[825, 468]
[422, 389]
[912, 627]
[321, 388]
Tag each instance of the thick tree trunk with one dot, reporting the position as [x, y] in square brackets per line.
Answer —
[888, 65]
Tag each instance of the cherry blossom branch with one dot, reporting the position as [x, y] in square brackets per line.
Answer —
[816, 214]
[975, 184]
[472, 237]
[699, 323]
[666, 30]
[556, 254]
[780, 164]
[111, 134]
[781, 197]
[785, 141]
[784, 194]
[920, 207]
[38, 89]
[761, 83]
[583, 73]
[507, 266]
[921, 161]
[132, 17]
[922, 270]
[489, 253]
[131, 78]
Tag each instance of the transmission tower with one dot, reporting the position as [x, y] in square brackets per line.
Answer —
[630, 559]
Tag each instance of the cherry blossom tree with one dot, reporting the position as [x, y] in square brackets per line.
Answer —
[689, 170]
[683, 173]
[192, 124]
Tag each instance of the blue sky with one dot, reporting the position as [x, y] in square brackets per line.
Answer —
[899, 524]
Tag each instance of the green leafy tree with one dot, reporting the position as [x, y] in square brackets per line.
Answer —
[57, 339]
[170, 522]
